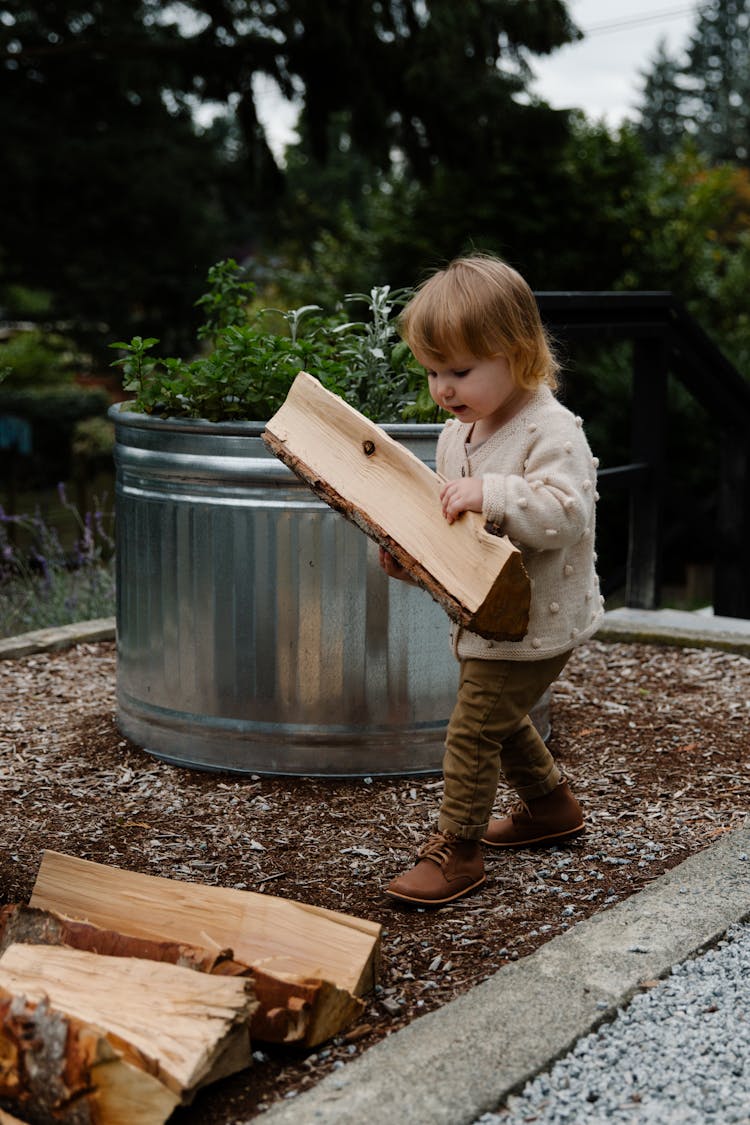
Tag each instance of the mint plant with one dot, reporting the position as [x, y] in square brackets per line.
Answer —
[227, 299]
[137, 366]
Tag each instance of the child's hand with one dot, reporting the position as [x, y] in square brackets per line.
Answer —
[459, 496]
[392, 568]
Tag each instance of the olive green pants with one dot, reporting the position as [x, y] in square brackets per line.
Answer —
[490, 732]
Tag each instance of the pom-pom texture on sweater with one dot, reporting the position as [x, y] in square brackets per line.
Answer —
[539, 489]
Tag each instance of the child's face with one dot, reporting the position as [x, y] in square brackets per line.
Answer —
[475, 389]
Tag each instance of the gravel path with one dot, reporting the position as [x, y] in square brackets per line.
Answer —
[678, 1054]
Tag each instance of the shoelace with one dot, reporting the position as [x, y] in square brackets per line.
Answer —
[519, 809]
[438, 848]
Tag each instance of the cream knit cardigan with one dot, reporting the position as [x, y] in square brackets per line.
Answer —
[539, 489]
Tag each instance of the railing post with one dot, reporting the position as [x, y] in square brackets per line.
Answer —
[732, 547]
[643, 579]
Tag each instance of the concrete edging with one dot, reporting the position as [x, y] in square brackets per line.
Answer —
[61, 636]
[676, 627]
[462, 1060]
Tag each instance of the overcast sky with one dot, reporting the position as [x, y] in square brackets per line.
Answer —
[599, 75]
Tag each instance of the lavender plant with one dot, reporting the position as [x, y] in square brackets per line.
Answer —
[44, 584]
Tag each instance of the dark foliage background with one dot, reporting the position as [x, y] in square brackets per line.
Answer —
[134, 158]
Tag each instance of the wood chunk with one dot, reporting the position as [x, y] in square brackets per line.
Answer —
[358, 469]
[185, 1028]
[32, 926]
[281, 936]
[302, 1010]
[310, 961]
[289, 1009]
[56, 1069]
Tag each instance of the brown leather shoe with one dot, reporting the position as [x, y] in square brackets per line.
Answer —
[556, 816]
[448, 868]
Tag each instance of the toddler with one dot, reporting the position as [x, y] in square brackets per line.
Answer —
[514, 453]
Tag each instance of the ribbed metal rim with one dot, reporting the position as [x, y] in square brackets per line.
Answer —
[123, 416]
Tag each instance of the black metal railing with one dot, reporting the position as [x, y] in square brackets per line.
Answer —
[667, 341]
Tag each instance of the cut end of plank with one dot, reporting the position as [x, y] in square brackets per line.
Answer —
[504, 614]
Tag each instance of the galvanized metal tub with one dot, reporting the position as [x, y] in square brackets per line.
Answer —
[256, 631]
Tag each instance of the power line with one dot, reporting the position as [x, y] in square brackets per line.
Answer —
[637, 21]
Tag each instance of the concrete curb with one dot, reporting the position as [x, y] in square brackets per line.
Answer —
[676, 627]
[62, 636]
[462, 1060]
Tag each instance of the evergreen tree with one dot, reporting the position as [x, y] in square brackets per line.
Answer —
[457, 154]
[708, 95]
[718, 72]
[110, 200]
[661, 124]
[421, 78]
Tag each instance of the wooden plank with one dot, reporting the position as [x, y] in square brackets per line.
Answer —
[274, 934]
[56, 1069]
[358, 469]
[185, 1028]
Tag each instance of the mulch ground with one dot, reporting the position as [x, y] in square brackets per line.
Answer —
[656, 741]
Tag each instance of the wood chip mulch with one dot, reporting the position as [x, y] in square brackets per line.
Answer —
[656, 741]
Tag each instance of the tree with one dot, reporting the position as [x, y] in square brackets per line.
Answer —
[108, 197]
[719, 73]
[417, 77]
[661, 125]
[115, 203]
[562, 215]
[690, 234]
[707, 95]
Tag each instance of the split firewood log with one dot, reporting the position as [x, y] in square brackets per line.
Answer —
[310, 965]
[57, 1070]
[185, 1028]
[29, 925]
[290, 1009]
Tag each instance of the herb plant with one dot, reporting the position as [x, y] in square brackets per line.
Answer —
[253, 357]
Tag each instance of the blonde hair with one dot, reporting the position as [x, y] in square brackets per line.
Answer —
[480, 305]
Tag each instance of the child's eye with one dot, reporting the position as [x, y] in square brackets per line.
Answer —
[460, 374]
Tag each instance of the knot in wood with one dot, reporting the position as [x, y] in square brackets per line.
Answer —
[369, 447]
